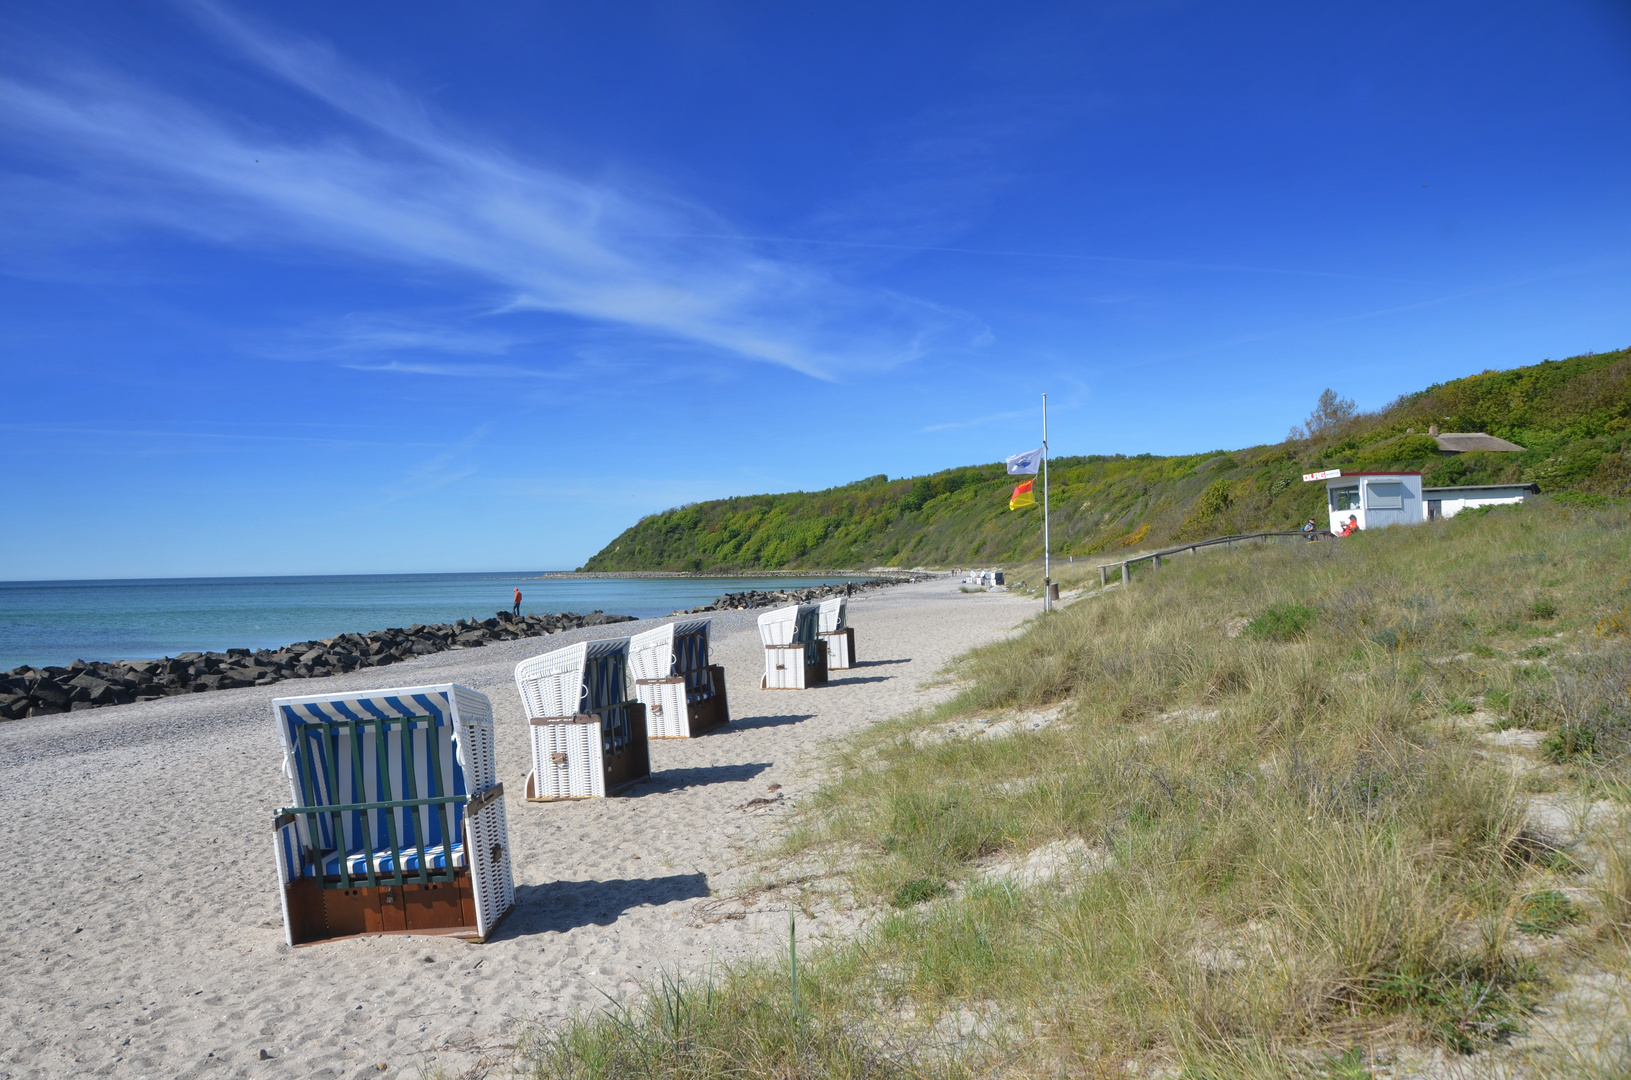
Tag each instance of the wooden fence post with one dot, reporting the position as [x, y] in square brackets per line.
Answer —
[1125, 576]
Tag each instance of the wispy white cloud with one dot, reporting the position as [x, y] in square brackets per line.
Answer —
[192, 438]
[372, 333]
[385, 179]
[453, 464]
[461, 371]
[977, 421]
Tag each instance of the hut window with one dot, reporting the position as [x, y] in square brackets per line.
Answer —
[1386, 497]
[1345, 498]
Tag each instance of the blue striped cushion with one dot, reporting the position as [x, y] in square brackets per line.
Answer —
[435, 857]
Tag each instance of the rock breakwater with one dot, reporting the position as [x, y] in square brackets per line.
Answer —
[755, 598]
[29, 691]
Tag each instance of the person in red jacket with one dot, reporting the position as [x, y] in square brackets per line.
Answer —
[517, 609]
[1350, 526]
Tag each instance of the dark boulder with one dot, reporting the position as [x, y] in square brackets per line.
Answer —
[49, 694]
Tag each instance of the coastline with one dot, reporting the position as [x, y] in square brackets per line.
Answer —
[705, 575]
[28, 691]
[169, 960]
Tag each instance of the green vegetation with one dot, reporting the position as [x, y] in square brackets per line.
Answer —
[1574, 417]
[1569, 741]
[1260, 847]
[1282, 622]
[1546, 912]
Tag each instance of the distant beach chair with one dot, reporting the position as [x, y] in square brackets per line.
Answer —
[684, 695]
[834, 629]
[588, 739]
[795, 654]
[397, 824]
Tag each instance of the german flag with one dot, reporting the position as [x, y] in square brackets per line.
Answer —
[1022, 496]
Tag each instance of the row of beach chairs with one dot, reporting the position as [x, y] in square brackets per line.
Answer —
[397, 821]
[804, 642]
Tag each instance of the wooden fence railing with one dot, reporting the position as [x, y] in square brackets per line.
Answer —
[1155, 557]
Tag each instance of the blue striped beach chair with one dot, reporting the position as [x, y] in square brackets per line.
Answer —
[588, 737]
[684, 695]
[835, 630]
[795, 654]
[397, 822]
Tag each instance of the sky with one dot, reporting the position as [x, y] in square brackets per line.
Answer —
[365, 287]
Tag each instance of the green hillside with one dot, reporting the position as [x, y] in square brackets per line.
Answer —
[1574, 417]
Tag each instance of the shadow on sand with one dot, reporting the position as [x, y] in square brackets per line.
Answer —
[749, 723]
[675, 779]
[567, 905]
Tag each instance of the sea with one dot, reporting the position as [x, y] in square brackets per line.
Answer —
[55, 622]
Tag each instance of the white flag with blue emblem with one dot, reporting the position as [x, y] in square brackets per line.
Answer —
[1025, 464]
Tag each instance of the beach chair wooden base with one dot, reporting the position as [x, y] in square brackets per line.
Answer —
[840, 648]
[788, 667]
[669, 715]
[579, 766]
[317, 914]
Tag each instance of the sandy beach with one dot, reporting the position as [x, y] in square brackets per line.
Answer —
[142, 935]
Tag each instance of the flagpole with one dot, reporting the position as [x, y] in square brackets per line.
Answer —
[1047, 555]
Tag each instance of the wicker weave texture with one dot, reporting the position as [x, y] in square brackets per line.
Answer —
[491, 879]
[666, 714]
[578, 772]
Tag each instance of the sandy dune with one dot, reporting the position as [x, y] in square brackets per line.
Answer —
[141, 933]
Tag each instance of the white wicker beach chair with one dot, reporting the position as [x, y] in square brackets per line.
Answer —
[835, 630]
[588, 738]
[397, 822]
[684, 695]
[795, 655]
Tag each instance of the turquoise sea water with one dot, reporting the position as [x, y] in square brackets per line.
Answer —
[54, 622]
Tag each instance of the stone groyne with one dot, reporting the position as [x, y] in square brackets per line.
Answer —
[755, 598]
[29, 691]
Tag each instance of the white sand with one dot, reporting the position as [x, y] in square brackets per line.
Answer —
[141, 932]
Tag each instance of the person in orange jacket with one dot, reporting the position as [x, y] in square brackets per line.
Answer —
[1350, 526]
[517, 609]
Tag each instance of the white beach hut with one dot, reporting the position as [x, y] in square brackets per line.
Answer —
[396, 822]
[588, 739]
[833, 628]
[795, 654]
[1445, 502]
[684, 695]
[1374, 500]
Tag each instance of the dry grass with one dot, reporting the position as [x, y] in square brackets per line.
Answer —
[1317, 854]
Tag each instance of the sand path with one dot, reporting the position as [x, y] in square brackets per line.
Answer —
[141, 934]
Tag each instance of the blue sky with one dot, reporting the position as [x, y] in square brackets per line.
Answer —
[312, 288]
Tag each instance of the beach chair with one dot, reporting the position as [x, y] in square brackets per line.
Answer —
[833, 628]
[684, 695]
[795, 654]
[588, 739]
[397, 820]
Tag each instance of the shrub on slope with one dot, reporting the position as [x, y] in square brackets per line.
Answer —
[1573, 416]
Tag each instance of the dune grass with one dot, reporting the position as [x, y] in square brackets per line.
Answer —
[1281, 845]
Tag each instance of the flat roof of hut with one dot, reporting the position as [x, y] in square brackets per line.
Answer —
[1462, 442]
